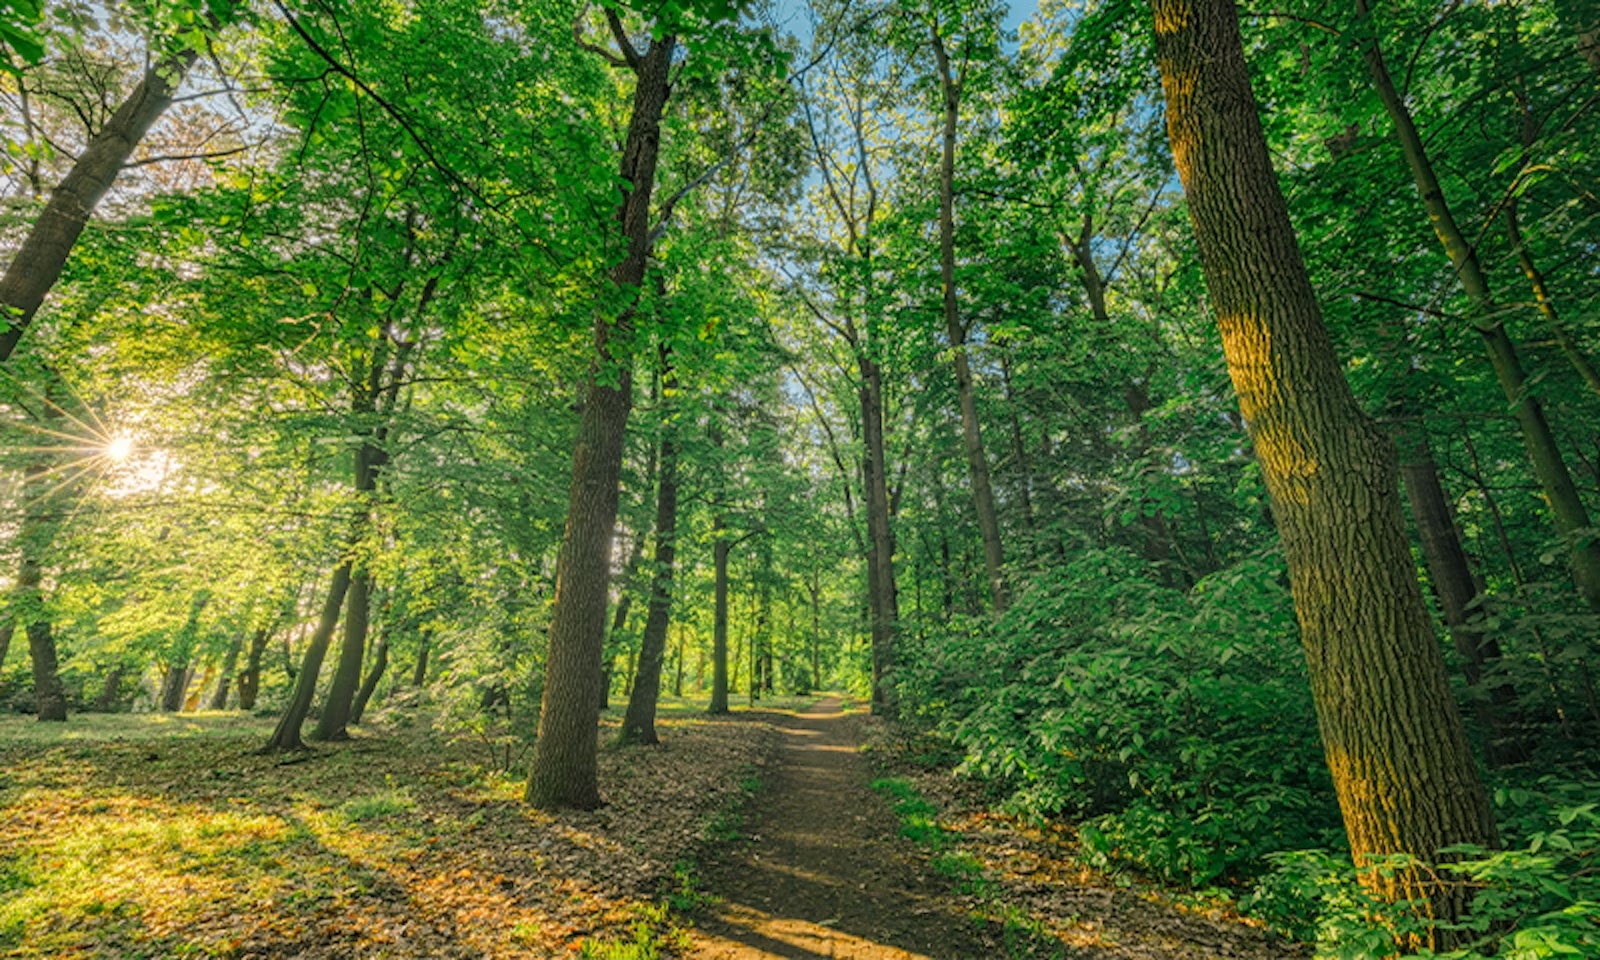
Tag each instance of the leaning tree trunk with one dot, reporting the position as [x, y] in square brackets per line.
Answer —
[1401, 766]
[564, 772]
[230, 663]
[250, 677]
[719, 617]
[334, 722]
[971, 434]
[639, 725]
[369, 684]
[44, 251]
[287, 734]
[1567, 508]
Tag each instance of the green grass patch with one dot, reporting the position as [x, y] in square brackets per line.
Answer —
[919, 819]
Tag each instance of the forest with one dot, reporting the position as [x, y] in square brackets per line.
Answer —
[923, 479]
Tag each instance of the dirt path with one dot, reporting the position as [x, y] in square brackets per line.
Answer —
[824, 873]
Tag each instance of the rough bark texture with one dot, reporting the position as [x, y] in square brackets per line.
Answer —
[1567, 508]
[1395, 746]
[287, 734]
[334, 721]
[44, 251]
[564, 772]
[639, 725]
[971, 434]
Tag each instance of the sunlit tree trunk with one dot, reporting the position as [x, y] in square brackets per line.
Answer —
[564, 772]
[1394, 742]
[286, 736]
[369, 683]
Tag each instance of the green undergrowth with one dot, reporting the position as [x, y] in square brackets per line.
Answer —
[1021, 935]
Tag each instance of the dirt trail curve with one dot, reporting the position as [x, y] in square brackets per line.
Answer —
[824, 875]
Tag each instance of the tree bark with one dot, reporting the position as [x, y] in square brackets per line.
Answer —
[1401, 766]
[884, 601]
[1570, 515]
[287, 734]
[173, 687]
[564, 771]
[230, 663]
[111, 690]
[369, 684]
[250, 677]
[639, 725]
[333, 724]
[971, 433]
[419, 674]
[44, 251]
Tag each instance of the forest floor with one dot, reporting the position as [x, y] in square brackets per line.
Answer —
[154, 836]
[825, 868]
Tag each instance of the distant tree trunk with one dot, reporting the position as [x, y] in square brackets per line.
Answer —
[1567, 508]
[971, 433]
[719, 619]
[370, 683]
[44, 251]
[6, 630]
[35, 536]
[230, 663]
[111, 690]
[250, 677]
[1456, 588]
[884, 602]
[287, 734]
[639, 725]
[1401, 767]
[1583, 19]
[174, 686]
[419, 674]
[564, 772]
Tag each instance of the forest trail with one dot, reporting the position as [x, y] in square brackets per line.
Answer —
[823, 873]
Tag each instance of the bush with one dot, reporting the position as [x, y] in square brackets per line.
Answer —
[1180, 724]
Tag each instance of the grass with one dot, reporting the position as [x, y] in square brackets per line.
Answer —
[156, 836]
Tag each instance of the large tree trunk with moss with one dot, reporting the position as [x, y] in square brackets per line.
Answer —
[287, 734]
[1401, 766]
[1567, 508]
[639, 725]
[971, 433]
[39, 261]
[564, 772]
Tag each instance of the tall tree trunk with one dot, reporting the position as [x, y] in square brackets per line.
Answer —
[971, 434]
[719, 617]
[1455, 586]
[369, 684]
[287, 734]
[1571, 518]
[111, 690]
[419, 674]
[815, 589]
[44, 251]
[564, 772]
[884, 606]
[1401, 766]
[639, 725]
[174, 686]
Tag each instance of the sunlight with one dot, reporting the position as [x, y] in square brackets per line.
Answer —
[120, 448]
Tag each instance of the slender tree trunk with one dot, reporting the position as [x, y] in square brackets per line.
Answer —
[884, 606]
[971, 434]
[564, 772]
[369, 684]
[250, 677]
[419, 674]
[1455, 586]
[111, 690]
[1401, 766]
[44, 251]
[815, 589]
[719, 619]
[1571, 518]
[230, 663]
[287, 734]
[334, 722]
[6, 630]
[639, 726]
